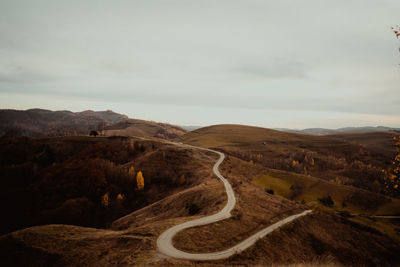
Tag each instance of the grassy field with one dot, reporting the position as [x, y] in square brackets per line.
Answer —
[354, 159]
[360, 204]
[310, 189]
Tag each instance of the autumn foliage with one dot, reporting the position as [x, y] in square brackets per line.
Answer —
[182, 179]
[74, 180]
[105, 200]
[140, 180]
[392, 174]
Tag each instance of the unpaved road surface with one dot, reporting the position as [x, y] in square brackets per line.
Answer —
[164, 241]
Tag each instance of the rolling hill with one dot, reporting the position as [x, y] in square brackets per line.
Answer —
[73, 174]
[64, 179]
[345, 130]
[352, 159]
[88, 187]
[41, 122]
[142, 128]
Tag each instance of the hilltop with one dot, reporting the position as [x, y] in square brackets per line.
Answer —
[142, 128]
[351, 159]
[41, 122]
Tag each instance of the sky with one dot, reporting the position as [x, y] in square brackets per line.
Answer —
[276, 64]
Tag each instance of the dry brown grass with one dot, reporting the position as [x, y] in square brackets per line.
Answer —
[354, 159]
[319, 239]
[142, 128]
[254, 211]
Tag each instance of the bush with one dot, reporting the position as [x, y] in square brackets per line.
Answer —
[326, 201]
[269, 191]
[93, 133]
[193, 208]
[297, 190]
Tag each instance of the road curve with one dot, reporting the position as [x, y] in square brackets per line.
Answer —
[164, 241]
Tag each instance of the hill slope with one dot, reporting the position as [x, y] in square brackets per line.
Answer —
[41, 122]
[322, 237]
[66, 179]
[346, 159]
[142, 128]
[34, 122]
[346, 130]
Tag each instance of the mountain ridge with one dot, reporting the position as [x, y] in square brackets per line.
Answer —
[44, 122]
[327, 131]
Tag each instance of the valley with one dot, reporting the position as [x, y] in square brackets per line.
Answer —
[66, 226]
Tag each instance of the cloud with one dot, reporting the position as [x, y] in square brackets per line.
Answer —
[309, 56]
[280, 68]
[13, 74]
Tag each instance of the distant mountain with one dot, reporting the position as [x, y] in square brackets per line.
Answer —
[191, 127]
[41, 122]
[323, 131]
[36, 122]
[367, 129]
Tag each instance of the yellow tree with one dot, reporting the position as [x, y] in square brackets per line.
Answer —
[392, 174]
[120, 197]
[182, 180]
[140, 180]
[105, 200]
[131, 171]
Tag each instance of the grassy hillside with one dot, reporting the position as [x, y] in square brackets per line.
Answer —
[65, 180]
[355, 160]
[380, 142]
[327, 236]
[356, 205]
[40, 122]
[141, 128]
[69, 170]
[309, 190]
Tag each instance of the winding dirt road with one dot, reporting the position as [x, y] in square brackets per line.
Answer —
[164, 241]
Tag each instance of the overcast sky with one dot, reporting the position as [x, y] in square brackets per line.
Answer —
[280, 63]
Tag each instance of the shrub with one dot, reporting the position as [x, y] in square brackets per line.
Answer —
[193, 208]
[326, 201]
[297, 190]
[269, 191]
[93, 133]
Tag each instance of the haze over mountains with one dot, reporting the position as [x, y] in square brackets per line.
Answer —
[42, 122]
[324, 131]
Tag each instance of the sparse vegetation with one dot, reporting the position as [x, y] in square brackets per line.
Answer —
[351, 159]
[392, 174]
[93, 181]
